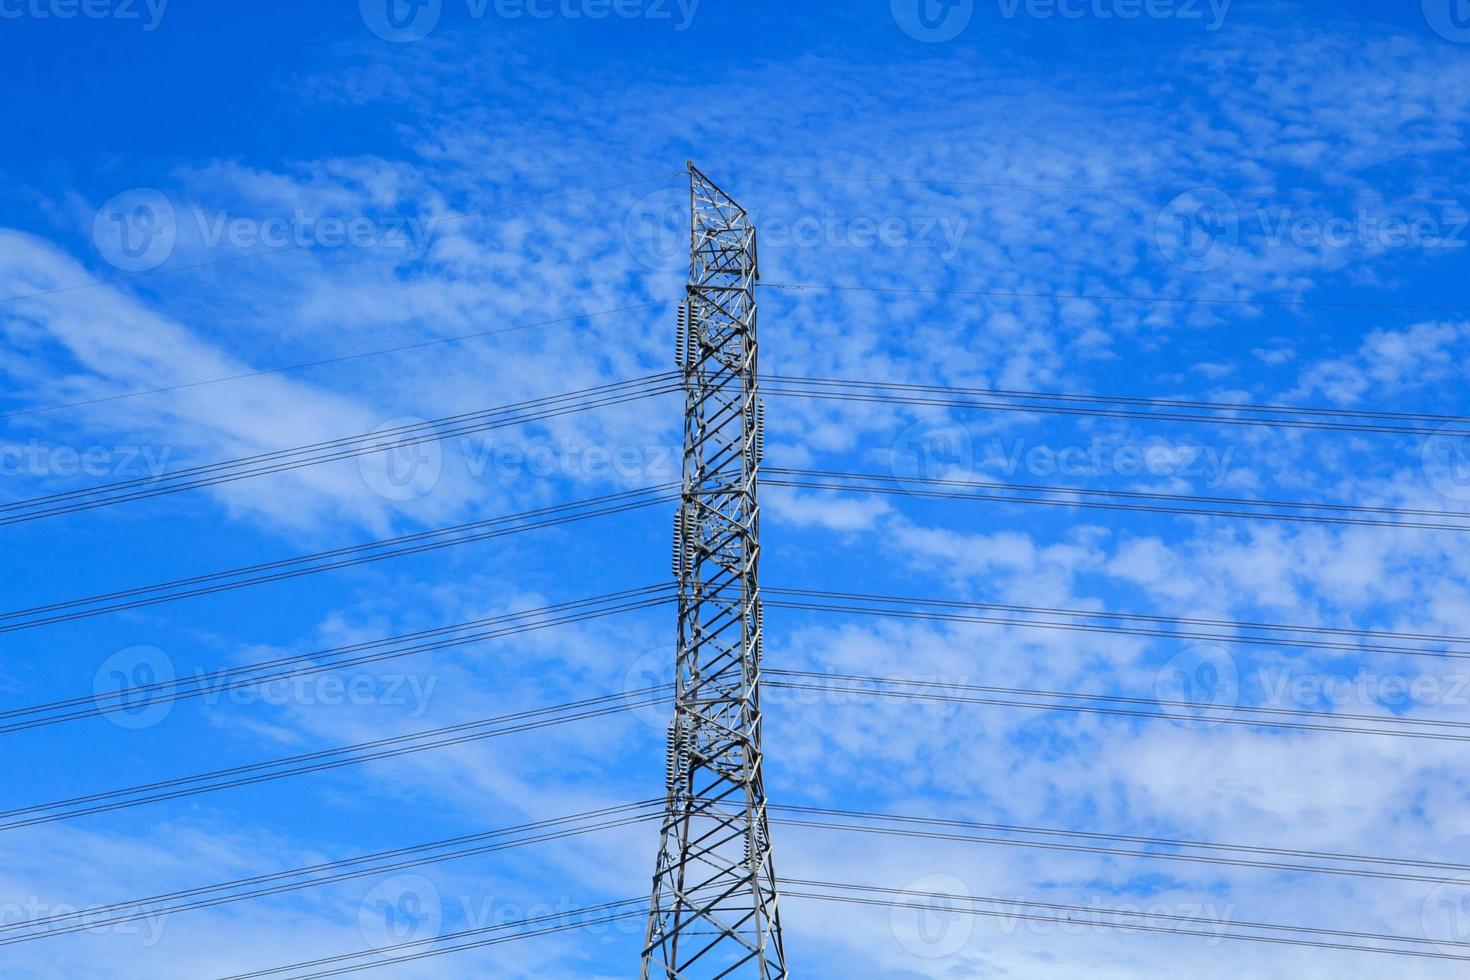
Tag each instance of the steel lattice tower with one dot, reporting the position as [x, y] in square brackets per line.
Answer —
[713, 912]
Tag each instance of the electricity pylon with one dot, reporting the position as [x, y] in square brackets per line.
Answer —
[713, 912]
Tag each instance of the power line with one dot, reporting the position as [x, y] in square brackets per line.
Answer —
[1023, 395]
[471, 845]
[1266, 717]
[631, 814]
[1002, 911]
[936, 396]
[324, 362]
[937, 835]
[832, 388]
[385, 748]
[628, 908]
[336, 558]
[1113, 298]
[1131, 494]
[438, 638]
[275, 883]
[1102, 628]
[294, 247]
[1119, 699]
[1131, 838]
[337, 449]
[827, 891]
[1172, 190]
[1138, 617]
[809, 480]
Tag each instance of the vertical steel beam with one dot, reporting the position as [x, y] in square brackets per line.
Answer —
[713, 912]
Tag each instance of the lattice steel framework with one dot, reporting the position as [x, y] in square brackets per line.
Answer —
[713, 912]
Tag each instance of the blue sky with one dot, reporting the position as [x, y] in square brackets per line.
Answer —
[1275, 191]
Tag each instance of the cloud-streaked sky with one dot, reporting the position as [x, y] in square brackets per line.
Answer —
[1232, 202]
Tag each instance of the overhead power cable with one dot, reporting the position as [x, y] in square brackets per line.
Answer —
[830, 604]
[953, 835]
[227, 471]
[1135, 920]
[932, 828]
[1444, 867]
[409, 433]
[326, 361]
[332, 872]
[428, 223]
[1111, 499]
[533, 719]
[1166, 191]
[593, 915]
[889, 391]
[868, 895]
[1218, 714]
[345, 557]
[229, 679]
[1094, 406]
[1025, 396]
[1371, 634]
[1152, 300]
